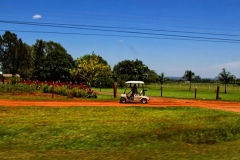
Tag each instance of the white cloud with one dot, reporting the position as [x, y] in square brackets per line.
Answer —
[229, 65]
[121, 41]
[37, 16]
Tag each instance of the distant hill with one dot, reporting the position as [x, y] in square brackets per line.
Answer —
[179, 78]
[174, 78]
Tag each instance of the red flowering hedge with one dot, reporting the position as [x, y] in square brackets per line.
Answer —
[65, 89]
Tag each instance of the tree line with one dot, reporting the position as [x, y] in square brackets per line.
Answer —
[49, 61]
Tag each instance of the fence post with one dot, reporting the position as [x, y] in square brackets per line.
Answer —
[114, 90]
[52, 91]
[217, 94]
[195, 92]
[161, 91]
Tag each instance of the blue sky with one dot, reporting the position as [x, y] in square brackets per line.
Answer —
[162, 51]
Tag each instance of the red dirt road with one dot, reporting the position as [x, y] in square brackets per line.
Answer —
[154, 102]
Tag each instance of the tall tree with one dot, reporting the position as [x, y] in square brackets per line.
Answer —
[27, 68]
[51, 61]
[125, 70]
[57, 65]
[39, 58]
[189, 75]
[140, 70]
[133, 70]
[90, 67]
[225, 77]
[14, 54]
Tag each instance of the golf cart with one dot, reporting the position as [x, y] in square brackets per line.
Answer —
[132, 95]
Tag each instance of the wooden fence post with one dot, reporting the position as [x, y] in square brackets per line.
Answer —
[161, 91]
[195, 93]
[114, 90]
[53, 91]
[217, 94]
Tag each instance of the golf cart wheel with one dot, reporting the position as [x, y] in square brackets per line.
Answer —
[123, 100]
[144, 100]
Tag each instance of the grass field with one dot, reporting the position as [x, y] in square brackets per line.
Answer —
[181, 90]
[169, 90]
[118, 133]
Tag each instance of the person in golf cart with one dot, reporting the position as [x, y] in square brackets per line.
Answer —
[134, 91]
[133, 95]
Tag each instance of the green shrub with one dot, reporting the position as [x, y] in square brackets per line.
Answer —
[17, 88]
[47, 89]
[14, 80]
[83, 93]
[69, 91]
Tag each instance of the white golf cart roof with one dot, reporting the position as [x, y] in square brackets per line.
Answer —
[137, 82]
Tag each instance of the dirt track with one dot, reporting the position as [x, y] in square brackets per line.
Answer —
[154, 102]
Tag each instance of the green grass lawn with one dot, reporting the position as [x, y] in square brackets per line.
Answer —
[169, 90]
[181, 90]
[118, 133]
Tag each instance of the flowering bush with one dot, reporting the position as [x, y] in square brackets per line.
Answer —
[91, 93]
[65, 89]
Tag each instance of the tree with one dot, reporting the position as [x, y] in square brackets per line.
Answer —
[225, 77]
[197, 79]
[51, 61]
[151, 77]
[161, 78]
[189, 75]
[140, 70]
[133, 70]
[27, 70]
[39, 58]
[57, 66]
[90, 67]
[14, 54]
[125, 70]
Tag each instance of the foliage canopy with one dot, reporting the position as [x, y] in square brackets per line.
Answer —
[90, 67]
[14, 54]
[51, 61]
[133, 70]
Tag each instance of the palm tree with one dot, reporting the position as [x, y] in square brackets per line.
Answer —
[225, 77]
[161, 78]
[189, 75]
